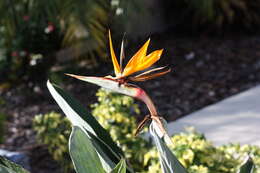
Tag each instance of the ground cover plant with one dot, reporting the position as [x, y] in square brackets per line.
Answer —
[54, 130]
[199, 155]
[195, 152]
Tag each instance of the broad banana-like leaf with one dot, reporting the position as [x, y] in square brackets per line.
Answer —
[120, 167]
[247, 167]
[7, 166]
[83, 154]
[78, 116]
[169, 162]
[100, 147]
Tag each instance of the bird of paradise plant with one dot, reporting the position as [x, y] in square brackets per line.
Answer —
[120, 83]
[91, 147]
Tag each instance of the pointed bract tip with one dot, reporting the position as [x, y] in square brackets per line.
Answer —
[75, 76]
[71, 75]
[160, 52]
[148, 41]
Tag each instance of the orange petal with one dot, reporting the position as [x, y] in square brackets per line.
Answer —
[113, 56]
[149, 60]
[131, 66]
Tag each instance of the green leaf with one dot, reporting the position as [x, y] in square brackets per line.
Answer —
[169, 162]
[83, 154]
[78, 116]
[100, 147]
[247, 167]
[120, 167]
[4, 169]
[108, 152]
[10, 167]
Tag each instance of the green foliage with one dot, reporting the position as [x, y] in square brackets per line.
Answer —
[30, 34]
[87, 23]
[108, 152]
[2, 120]
[53, 129]
[216, 14]
[117, 113]
[79, 116]
[192, 149]
[199, 155]
[99, 146]
[83, 153]
[33, 31]
[7, 166]
[240, 151]
[194, 152]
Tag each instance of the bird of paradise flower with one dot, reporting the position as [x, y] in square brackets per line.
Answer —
[140, 61]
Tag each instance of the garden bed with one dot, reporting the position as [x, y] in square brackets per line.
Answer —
[204, 70]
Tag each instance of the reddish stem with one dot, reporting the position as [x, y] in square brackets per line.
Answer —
[141, 94]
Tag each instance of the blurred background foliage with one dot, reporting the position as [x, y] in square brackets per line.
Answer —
[30, 35]
[214, 16]
[38, 34]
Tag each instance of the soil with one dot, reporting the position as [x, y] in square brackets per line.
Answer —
[205, 70]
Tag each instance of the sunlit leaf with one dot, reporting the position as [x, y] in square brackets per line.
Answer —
[83, 154]
[101, 149]
[78, 116]
[169, 163]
